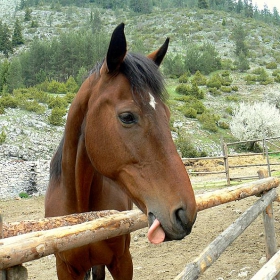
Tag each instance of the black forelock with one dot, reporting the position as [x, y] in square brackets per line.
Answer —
[142, 73]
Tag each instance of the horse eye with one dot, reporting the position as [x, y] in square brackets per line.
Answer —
[127, 118]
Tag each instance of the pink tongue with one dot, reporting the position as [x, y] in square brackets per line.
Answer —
[156, 234]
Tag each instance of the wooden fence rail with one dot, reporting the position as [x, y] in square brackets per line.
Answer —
[226, 156]
[33, 245]
[220, 244]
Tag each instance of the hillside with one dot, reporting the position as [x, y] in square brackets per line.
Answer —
[147, 32]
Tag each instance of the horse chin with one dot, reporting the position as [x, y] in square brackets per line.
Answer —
[157, 233]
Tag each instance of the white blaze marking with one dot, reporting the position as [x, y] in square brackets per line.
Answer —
[152, 101]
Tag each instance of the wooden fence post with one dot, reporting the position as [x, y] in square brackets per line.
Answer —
[267, 156]
[17, 272]
[225, 154]
[213, 251]
[2, 272]
[269, 228]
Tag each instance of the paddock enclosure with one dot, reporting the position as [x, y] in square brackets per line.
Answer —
[170, 254]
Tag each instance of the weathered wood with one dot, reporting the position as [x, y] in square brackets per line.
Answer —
[226, 163]
[34, 245]
[17, 272]
[23, 248]
[2, 272]
[204, 201]
[17, 228]
[225, 195]
[270, 269]
[269, 228]
[219, 245]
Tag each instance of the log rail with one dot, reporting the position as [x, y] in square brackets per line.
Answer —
[28, 240]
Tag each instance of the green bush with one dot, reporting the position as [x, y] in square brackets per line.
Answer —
[208, 121]
[229, 110]
[227, 64]
[250, 79]
[57, 102]
[71, 85]
[191, 102]
[277, 79]
[69, 97]
[258, 71]
[271, 65]
[204, 58]
[9, 101]
[196, 92]
[189, 112]
[214, 82]
[56, 117]
[183, 89]
[184, 78]
[2, 109]
[174, 66]
[232, 98]
[226, 89]
[276, 72]
[23, 195]
[223, 125]
[214, 91]
[199, 79]
[3, 136]
[234, 88]
[33, 106]
[186, 148]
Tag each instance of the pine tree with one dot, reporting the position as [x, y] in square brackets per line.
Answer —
[17, 38]
[276, 17]
[27, 16]
[202, 4]
[3, 74]
[5, 41]
[239, 36]
[239, 6]
[14, 75]
[96, 22]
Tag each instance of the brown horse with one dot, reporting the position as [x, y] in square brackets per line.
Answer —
[117, 149]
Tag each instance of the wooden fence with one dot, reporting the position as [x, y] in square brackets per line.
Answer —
[226, 155]
[16, 249]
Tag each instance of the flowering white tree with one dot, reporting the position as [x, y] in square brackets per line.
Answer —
[255, 120]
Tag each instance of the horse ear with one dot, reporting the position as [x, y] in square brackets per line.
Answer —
[116, 51]
[158, 55]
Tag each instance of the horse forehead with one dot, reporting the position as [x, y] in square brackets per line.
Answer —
[152, 101]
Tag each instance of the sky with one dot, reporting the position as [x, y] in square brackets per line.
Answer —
[269, 3]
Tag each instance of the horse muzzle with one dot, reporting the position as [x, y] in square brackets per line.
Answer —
[160, 229]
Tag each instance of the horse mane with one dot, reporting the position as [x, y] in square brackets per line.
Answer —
[55, 166]
[142, 73]
[143, 76]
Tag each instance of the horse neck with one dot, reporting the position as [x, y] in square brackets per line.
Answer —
[78, 175]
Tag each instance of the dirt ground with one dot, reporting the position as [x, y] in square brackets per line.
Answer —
[155, 262]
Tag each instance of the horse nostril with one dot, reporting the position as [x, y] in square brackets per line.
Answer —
[181, 219]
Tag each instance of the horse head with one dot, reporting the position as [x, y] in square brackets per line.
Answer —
[128, 139]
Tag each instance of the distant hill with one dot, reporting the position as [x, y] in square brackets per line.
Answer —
[185, 27]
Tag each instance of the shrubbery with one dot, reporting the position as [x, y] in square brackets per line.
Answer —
[3, 136]
[191, 102]
[271, 65]
[57, 102]
[56, 117]
[214, 82]
[187, 149]
[209, 121]
[192, 90]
